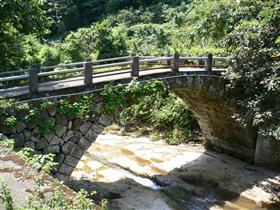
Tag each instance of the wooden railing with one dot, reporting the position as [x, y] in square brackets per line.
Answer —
[88, 70]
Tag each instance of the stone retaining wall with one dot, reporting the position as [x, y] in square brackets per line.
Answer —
[268, 152]
[69, 141]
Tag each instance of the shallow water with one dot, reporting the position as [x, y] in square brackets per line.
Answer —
[145, 174]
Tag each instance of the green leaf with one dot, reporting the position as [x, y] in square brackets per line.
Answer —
[278, 40]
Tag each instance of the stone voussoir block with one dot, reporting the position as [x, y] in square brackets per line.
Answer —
[104, 120]
[52, 149]
[7, 130]
[70, 123]
[41, 144]
[98, 129]
[60, 158]
[77, 152]
[61, 176]
[91, 135]
[72, 161]
[66, 169]
[52, 110]
[67, 147]
[49, 137]
[68, 135]
[60, 130]
[27, 134]
[56, 140]
[84, 143]
[76, 124]
[62, 121]
[20, 126]
[74, 139]
[19, 139]
[85, 127]
[29, 144]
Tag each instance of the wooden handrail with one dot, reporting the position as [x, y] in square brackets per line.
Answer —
[156, 59]
[66, 71]
[89, 67]
[112, 59]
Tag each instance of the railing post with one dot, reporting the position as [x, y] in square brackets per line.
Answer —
[88, 72]
[209, 63]
[34, 80]
[168, 62]
[175, 62]
[135, 66]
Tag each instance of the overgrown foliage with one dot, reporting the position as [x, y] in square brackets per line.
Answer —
[18, 20]
[44, 163]
[254, 79]
[148, 104]
[100, 29]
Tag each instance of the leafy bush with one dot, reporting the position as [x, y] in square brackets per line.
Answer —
[149, 39]
[7, 143]
[254, 80]
[113, 98]
[49, 56]
[10, 121]
[6, 196]
[149, 104]
[77, 107]
[43, 162]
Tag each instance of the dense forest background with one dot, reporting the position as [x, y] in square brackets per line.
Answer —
[57, 31]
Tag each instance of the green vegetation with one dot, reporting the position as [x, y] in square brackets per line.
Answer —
[10, 121]
[68, 31]
[43, 163]
[19, 20]
[77, 107]
[254, 79]
[148, 104]
[54, 200]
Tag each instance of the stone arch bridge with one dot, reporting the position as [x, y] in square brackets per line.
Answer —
[202, 90]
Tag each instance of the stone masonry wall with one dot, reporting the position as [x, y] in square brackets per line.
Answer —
[69, 141]
[213, 111]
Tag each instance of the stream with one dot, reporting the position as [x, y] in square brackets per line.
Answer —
[134, 173]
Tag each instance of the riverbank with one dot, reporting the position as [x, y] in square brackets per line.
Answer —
[136, 173]
[24, 182]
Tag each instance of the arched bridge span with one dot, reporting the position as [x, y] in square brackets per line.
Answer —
[204, 94]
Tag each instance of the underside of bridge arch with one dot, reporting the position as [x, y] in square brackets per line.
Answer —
[220, 130]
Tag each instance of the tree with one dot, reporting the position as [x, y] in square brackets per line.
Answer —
[254, 80]
[18, 18]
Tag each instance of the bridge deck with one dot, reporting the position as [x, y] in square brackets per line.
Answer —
[79, 81]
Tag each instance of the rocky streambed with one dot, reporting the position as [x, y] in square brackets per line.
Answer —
[136, 173]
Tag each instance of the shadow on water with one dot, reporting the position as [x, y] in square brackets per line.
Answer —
[195, 186]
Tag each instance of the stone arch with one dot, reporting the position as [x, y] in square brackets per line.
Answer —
[84, 133]
[206, 98]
